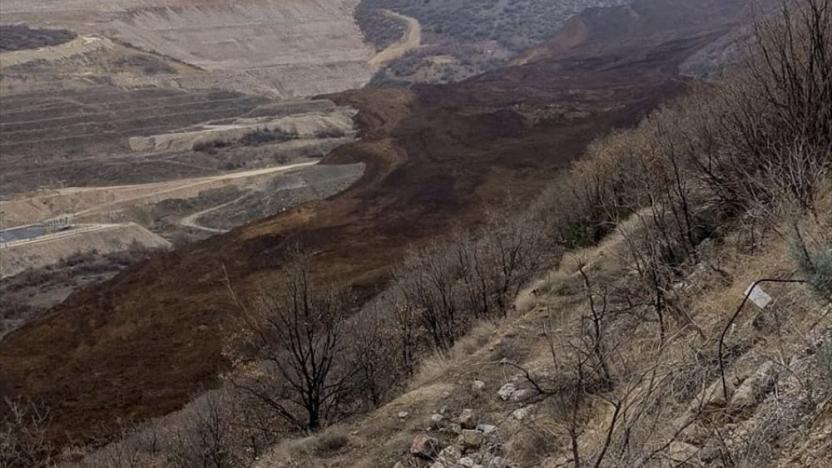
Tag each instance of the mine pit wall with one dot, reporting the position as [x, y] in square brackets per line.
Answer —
[282, 48]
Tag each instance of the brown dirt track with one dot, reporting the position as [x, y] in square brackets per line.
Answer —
[143, 343]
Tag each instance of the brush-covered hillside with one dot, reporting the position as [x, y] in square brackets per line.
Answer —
[663, 300]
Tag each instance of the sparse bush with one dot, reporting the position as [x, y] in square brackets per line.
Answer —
[373, 354]
[329, 443]
[815, 264]
[262, 136]
[824, 358]
[205, 437]
[23, 438]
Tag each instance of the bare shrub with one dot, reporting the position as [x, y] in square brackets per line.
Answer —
[427, 283]
[290, 354]
[772, 126]
[824, 358]
[205, 438]
[329, 443]
[815, 263]
[373, 354]
[23, 437]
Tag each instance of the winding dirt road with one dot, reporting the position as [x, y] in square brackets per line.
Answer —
[412, 39]
[91, 201]
[191, 220]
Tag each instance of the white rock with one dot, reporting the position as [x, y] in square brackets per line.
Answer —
[470, 439]
[523, 395]
[424, 447]
[521, 413]
[486, 428]
[449, 455]
[497, 462]
[403, 414]
[468, 420]
[467, 462]
[506, 391]
[754, 387]
[478, 386]
[682, 452]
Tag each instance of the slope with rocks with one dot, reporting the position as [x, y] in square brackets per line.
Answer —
[493, 400]
[435, 157]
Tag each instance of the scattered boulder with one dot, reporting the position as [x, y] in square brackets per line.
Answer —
[486, 428]
[754, 387]
[478, 386]
[449, 455]
[506, 391]
[522, 413]
[470, 439]
[523, 395]
[497, 462]
[682, 452]
[468, 420]
[467, 462]
[424, 446]
[403, 414]
[436, 420]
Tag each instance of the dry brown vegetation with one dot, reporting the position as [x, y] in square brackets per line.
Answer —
[638, 348]
[629, 340]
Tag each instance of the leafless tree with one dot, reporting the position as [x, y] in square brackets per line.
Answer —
[597, 329]
[373, 355]
[406, 329]
[428, 283]
[517, 246]
[292, 348]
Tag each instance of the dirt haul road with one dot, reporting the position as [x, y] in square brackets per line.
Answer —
[412, 39]
[86, 203]
[169, 188]
[190, 221]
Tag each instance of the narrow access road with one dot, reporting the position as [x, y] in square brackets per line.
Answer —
[173, 186]
[190, 221]
[411, 39]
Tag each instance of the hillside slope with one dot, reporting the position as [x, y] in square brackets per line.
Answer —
[768, 419]
[141, 344]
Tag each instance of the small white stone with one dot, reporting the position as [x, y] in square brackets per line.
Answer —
[467, 462]
[521, 413]
[506, 391]
[486, 428]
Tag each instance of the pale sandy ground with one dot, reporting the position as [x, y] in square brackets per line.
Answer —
[412, 39]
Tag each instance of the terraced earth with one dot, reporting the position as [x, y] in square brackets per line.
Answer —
[320, 47]
[100, 119]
